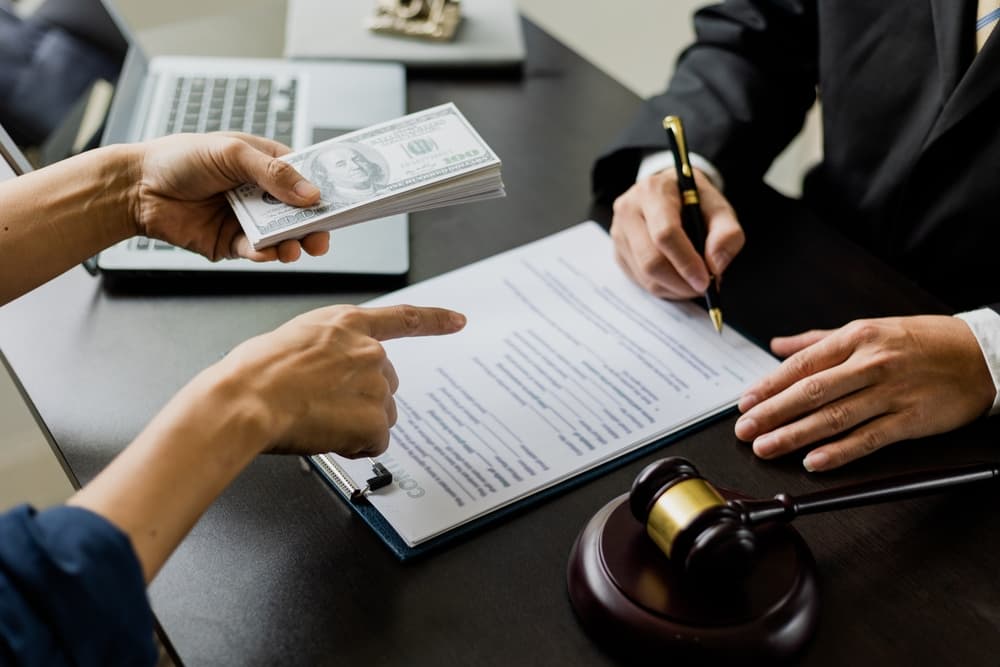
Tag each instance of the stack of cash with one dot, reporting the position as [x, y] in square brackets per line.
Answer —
[421, 161]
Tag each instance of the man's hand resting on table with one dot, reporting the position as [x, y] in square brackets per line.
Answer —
[652, 246]
[864, 386]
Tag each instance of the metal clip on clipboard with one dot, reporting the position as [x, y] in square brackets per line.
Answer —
[381, 477]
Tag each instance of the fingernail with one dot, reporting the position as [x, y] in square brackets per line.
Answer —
[698, 283]
[747, 401]
[746, 428]
[816, 461]
[458, 320]
[305, 189]
[765, 446]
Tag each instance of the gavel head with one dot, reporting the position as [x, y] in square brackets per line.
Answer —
[690, 522]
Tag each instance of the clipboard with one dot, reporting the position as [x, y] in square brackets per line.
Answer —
[353, 496]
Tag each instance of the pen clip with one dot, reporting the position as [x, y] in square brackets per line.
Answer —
[675, 131]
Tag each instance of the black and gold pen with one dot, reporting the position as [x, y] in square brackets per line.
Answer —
[691, 215]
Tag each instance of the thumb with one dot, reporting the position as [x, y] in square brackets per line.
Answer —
[275, 176]
[403, 321]
[725, 238]
[785, 346]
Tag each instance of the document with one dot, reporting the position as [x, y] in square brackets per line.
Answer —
[564, 365]
[421, 161]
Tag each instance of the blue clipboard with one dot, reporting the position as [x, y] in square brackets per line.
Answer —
[405, 552]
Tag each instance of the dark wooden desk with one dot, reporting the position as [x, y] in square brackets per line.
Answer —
[279, 571]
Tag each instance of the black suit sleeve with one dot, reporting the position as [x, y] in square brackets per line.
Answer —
[742, 90]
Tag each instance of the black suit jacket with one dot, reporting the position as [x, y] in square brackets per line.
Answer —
[911, 124]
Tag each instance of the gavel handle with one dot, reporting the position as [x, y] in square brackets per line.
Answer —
[784, 507]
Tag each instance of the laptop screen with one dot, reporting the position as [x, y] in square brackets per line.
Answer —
[6, 172]
[58, 88]
[12, 161]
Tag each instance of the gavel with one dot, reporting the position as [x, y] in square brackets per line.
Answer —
[709, 537]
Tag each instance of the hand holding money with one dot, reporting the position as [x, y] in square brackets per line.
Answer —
[421, 161]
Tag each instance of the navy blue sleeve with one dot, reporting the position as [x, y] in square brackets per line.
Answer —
[71, 591]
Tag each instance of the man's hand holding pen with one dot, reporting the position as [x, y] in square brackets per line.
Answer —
[652, 246]
[692, 219]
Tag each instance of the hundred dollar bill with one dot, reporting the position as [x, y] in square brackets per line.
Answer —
[424, 160]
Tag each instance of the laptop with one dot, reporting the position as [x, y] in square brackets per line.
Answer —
[12, 161]
[297, 103]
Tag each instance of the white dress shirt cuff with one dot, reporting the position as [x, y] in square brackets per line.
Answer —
[985, 325]
[655, 162]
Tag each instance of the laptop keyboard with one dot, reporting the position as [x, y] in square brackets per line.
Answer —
[144, 243]
[265, 106]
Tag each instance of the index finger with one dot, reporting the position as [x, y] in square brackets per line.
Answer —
[786, 346]
[663, 220]
[263, 144]
[404, 321]
[824, 354]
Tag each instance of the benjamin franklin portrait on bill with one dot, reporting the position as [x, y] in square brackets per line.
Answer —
[347, 173]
